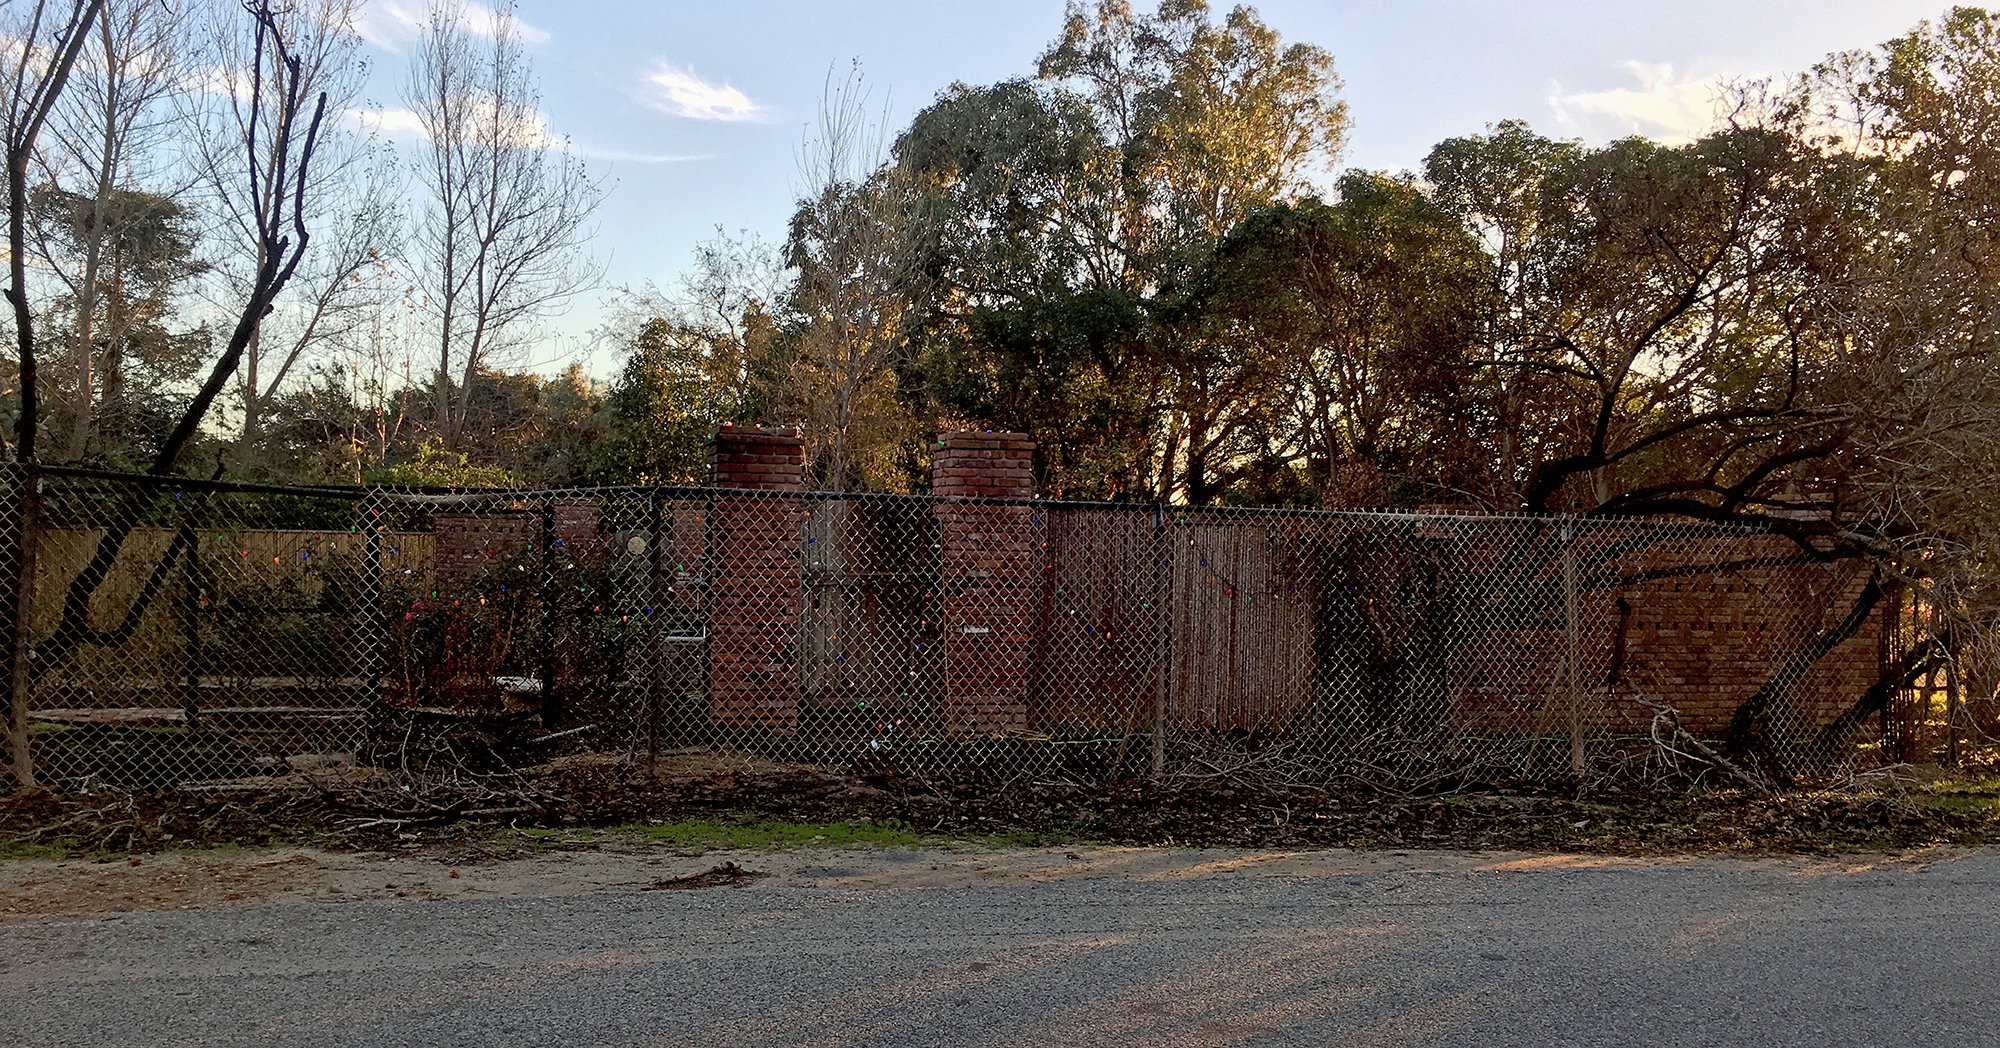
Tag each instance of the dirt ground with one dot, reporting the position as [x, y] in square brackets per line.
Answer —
[250, 878]
[348, 833]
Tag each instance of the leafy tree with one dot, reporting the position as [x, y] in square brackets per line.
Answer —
[675, 389]
[1646, 313]
[1209, 121]
[1102, 191]
[1035, 328]
[135, 254]
[543, 430]
[318, 432]
[695, 359]
[1362, 311]
[434, 467]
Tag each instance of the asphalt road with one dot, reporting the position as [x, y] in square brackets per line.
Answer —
[1531, 953]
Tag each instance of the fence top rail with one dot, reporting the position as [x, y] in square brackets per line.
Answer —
[192, 484]
[1181, 512]
[473, 498]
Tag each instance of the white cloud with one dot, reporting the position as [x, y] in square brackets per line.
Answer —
[518, 127]
[679, 92]
[624, 157]
[1666, 108]
[394, 25]
[521, 127]
[399, 124]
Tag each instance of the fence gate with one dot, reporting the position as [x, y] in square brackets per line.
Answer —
[870, 657]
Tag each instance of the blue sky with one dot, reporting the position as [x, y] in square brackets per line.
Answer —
[695, 110]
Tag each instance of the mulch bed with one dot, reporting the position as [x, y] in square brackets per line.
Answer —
[1217, 814]
[974, 803]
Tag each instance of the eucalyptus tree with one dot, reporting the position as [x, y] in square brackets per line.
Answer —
[1036, 327]
[1099, 192]
[47, 36]
[105, 202]
[1648, 327]
[1365, 309]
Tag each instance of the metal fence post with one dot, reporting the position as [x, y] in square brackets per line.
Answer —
[369, 660]
[1163, 550]
[545, 641]
[1572, 649]
[190, 615]
[655, 622]
[23, 540]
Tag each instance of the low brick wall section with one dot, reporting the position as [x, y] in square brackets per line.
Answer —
[1706, 642]
[1706, 624]
[470, 545]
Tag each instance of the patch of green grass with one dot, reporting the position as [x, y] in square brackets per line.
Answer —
[1036, 839]
[57, 848]
[1968, 786]
[73, 846]
[1973, 794]
[70, 847]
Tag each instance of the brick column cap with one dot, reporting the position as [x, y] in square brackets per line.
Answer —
[771, 459]
[983, 464]
[784, 435]
[985, 440]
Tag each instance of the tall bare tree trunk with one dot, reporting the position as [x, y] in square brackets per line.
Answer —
[23, 516]
[252, 401]
[83, 350]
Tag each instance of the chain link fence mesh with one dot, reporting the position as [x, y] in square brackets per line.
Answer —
[198, 633]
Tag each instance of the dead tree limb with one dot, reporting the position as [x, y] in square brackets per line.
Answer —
[1744, 737]
[1919, 660]
[1667, 733]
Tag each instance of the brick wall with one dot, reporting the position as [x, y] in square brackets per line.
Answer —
[1707, 623]
[757, 458]
[754, 541]
[470, 544]
[1706, 642]
[992, 589]
[983, 465]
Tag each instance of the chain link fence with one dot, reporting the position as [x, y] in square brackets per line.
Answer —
[183, 633]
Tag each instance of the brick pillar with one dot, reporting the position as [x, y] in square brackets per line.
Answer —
[753, 579]
[992, 590]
